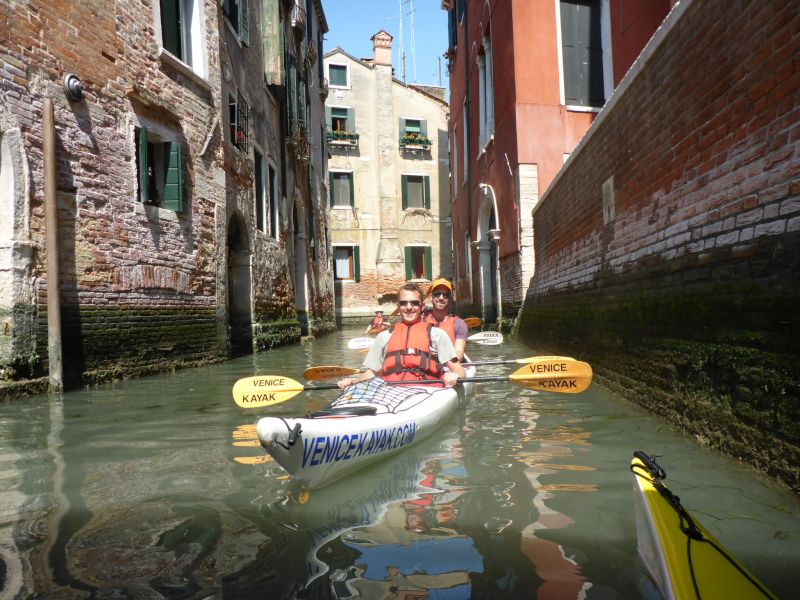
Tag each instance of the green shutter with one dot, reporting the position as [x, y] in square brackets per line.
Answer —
[330, 187]
[141, 155]
[409, 264]
[404, 188]
[402, 126]
[352, 189]
[423, 127]
[174, 177]
[244, 22]
[328, 118]
[170, 27]
[426, 200]
[351, 119]
[428, 265]
[356, 263]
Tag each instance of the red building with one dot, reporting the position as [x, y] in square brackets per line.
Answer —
[527, 78]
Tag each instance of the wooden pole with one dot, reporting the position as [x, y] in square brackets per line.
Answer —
[54, 350]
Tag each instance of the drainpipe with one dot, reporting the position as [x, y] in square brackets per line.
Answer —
[54, 356]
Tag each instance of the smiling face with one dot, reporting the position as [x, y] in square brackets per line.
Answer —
[410, 304]
[440, 297]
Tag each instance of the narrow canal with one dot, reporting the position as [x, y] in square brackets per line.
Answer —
[148, 489]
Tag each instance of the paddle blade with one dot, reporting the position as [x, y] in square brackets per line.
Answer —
[361, 343]
[487, 338]
[562, 375]
[265, 390]
[328, 372]
[473, 322]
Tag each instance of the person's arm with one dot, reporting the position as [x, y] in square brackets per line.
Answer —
[460, 346]
[461, 332]
[456, 371]
[447, 356]
[348, 381]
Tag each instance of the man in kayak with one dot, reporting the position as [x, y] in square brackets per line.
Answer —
[378, 324]
[455, 327]
[413, 350]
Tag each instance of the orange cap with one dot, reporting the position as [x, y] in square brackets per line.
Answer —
[441, 282]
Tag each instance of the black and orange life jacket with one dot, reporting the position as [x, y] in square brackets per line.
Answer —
[448, 325]
[409, 355]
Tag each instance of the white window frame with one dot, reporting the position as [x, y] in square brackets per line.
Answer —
[347, 206]
[193, 38]
[352, 257]
[347, 73]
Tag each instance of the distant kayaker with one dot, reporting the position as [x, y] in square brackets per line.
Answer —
[413, 350]
[378, 323]
[455, 327]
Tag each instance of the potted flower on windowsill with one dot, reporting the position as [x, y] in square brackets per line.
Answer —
[342, 137]
[414, 140]
[238, 137]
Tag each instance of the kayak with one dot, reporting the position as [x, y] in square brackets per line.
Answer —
[370, 421]
[682, 559]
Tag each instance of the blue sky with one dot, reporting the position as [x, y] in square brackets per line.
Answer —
[352, 22]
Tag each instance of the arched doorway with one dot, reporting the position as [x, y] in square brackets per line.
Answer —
[240, 312]
[488, 259]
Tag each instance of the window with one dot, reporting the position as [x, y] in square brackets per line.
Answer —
[341, 188]
[238, 115]
[414, 132]
[346, 263]
[416, 191]
[273, 202]
[485, 93]
[181, 32]
[465, 140]
[160, 170]
[455, 161]
[340, 119]
[582, 52]
[236, 11]
[418, 262]
[261, 208]
[338, 76]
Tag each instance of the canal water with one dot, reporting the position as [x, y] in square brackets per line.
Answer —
[152, 488]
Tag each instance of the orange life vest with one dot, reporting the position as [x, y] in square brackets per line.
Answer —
[448, 325]
[408, 354]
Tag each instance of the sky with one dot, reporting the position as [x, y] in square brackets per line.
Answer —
[352, 22]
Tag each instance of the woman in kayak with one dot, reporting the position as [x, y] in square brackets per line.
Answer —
[413, 350]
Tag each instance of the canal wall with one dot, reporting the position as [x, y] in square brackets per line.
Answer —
[667, 249]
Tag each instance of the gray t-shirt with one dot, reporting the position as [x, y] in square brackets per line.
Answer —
[440, 344]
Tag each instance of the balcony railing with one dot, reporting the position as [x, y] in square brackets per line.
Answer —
[298, 16]
[342, 138]
[414, 141]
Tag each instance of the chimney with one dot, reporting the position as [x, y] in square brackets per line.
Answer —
[382, 48]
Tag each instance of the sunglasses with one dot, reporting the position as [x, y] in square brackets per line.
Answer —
[409, 303]
[441, 294]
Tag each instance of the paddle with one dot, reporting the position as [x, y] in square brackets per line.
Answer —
[335, 372]
[563, 376]
[361, 343]
[473, 322]
[487, 338]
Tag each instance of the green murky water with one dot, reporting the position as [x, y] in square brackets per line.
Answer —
[133, 490]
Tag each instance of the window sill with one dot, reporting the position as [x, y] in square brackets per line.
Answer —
[585, 109]
[341, 207]
[154, 212]
[167, 58]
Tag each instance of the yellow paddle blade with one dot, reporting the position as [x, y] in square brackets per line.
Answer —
[248, 443]
[473, 322]
[328, 372]
[265, 390]
[565, 376]
[253, 460]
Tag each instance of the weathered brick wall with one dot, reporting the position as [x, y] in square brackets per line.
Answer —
[668, 249]
[120, 261]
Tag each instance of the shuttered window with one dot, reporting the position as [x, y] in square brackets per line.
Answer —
[346, 263]
[418, 262]
[416, 191]
[582, 51]
[161, 171]
[341, 188]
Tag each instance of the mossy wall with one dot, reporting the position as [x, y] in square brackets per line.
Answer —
[667, 250]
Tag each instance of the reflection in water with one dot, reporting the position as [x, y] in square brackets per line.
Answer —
[152, 488]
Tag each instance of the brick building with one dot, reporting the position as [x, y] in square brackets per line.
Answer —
[389, 197]
[527, 78]
[187, 173]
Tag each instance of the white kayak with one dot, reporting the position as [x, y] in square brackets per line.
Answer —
[369, 422]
